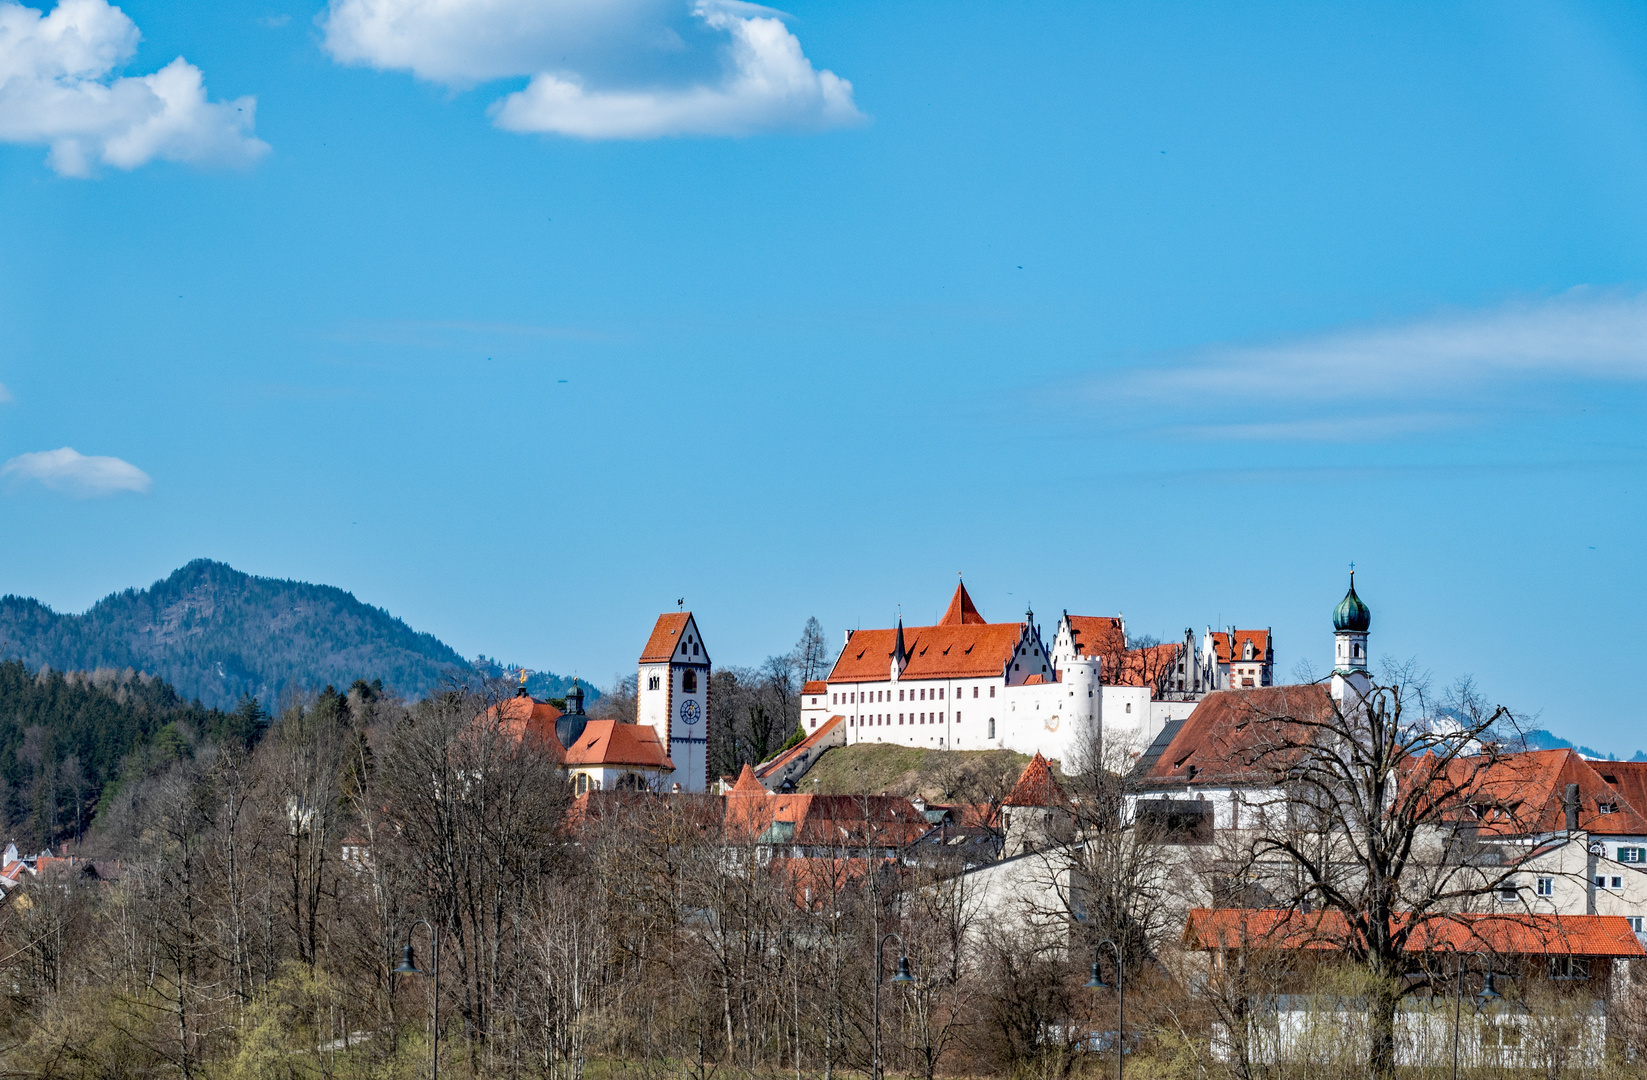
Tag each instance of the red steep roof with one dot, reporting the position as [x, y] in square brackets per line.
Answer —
[1527, 793]
[1506, 935]
[522, 716]
[1036, 786]
[611, 742]
[815, 686]
[829, 821]
[1098, 635]
[1260, 645]
[961, 611]
[974, 650]
[666, 637]
[1219, 741]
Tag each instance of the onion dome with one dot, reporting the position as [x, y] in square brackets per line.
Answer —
[572, 721]
[1351, 614]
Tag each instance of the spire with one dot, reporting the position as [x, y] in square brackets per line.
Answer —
[899, 653]
[961, 611]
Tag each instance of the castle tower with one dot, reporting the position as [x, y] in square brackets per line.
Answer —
[1350, 620]
[672, 695]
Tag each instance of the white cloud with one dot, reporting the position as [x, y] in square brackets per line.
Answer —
[74, 473]
[1361, 383]
[57, 88]
[604, 69]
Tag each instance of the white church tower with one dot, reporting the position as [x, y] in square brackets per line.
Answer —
[1350, 620]
[672, 695]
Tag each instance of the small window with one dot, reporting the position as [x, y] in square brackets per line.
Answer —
[1635, 923]
[992, 691]
[694, 648]
[1569, 967]
[1601, 881]
[974, 691]
[900, 695]
[1632, 855]
[689, 682]
[1508, 893]
[1129, 706]
[1618, 883]
[992, 727]
[1546, 886]
[652, 684]
[1605, 808]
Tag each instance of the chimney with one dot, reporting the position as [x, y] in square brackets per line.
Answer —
[1569, 802]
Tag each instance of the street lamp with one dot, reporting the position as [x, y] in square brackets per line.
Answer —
[902, 976]
[1097, 983]
[1485, 996]
[408, 966]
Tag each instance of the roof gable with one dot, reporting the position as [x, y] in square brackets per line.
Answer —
[611, 742]
[671, 631]
[1036, 786]
[1260, 646]
[1218, 742]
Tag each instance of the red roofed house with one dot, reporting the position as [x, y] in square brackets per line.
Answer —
[1582, 958]
[598, 755]
[959, 684]
[672, 695]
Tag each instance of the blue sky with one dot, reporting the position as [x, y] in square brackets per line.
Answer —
[523, 329]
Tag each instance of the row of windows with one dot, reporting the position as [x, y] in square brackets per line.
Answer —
[882, 719]
[689, 683]
[1545, 886]
[858, 697]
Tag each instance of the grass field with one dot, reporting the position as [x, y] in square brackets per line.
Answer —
[936, 775]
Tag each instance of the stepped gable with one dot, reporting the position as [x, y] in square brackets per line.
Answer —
[1222, 739]
[1260, 645]
[961, 610]
[1037, 786]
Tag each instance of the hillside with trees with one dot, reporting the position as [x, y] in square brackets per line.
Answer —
[219, 635]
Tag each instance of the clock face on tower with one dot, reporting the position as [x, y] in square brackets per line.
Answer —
[691, 713]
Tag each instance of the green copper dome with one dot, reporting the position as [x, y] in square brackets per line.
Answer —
[1351, 613]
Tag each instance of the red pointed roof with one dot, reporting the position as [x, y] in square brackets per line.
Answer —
[1036, 787]
[961, 611]
[665, 638]
[747, 783]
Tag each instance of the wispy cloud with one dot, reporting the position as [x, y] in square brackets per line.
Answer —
[5, 395]
[73, 473]
[1369, 382]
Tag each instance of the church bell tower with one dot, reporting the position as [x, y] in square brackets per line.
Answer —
[1350, 620]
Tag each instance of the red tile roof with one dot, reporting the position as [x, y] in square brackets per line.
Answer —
[1036, 786]
[815, 686]
[1220, 741]
[1521, 934]
[975, 650]
[611, 742]
[522, 716]
[666, 637]
[829, 821]
[1525, 793]
[961, 611]
[1098, 635]
[1260, 645]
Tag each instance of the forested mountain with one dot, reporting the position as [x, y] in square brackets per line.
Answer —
[64, 739]
[218, 635]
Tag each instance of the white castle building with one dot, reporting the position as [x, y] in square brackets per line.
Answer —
[968, 684]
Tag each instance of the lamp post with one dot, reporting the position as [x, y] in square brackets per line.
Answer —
[1485, 996]
[903, 976]
[1097, 983]
[408, 966]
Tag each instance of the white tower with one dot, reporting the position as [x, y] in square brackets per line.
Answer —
[1350, 620]
[672, 695]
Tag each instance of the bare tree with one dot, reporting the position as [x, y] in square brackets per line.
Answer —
[1368, 820]
[811, 653]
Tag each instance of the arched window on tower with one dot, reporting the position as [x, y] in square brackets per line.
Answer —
[689, 682]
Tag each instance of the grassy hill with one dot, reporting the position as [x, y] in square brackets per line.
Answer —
[217, 634]
[936, 775]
